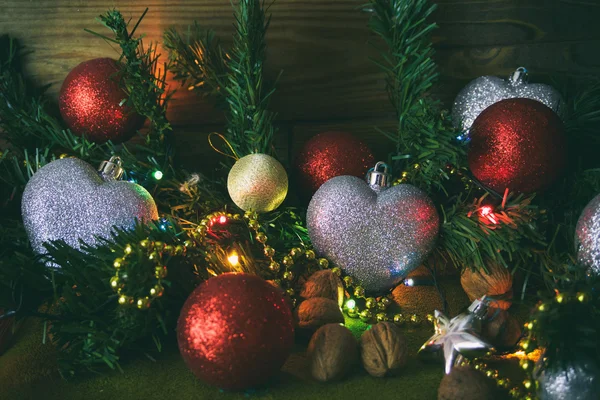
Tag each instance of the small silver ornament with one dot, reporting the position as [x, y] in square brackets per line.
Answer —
[68, 199]
[587, 238]
[484, 91]
[577, 379]
[458, 337]
[375, 233]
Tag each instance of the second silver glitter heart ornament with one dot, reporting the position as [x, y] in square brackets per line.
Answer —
[587, 238]
[376, 233]
[484, 91]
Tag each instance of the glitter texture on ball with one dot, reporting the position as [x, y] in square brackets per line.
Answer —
[517, 144]
[90, 103]
[235, 331]
[570, 380]
[68, 200]
[257, 182]
[377, 235]
[332, 154]
[587, 238]
[484, 91]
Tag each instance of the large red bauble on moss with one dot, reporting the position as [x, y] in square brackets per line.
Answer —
[235, 331]
[517, 144]
[90, 103]
[332, 154]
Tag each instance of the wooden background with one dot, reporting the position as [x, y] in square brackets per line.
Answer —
[321, 46]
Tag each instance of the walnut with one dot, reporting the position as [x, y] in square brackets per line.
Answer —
[501, 329]
[384, 349]
[323, 284]
[332, 352]
[316, 312]
[466, 383]
[498, 283]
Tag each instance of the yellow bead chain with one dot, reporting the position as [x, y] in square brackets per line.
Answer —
[155, 251]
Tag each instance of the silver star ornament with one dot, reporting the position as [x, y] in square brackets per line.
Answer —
[457, 338]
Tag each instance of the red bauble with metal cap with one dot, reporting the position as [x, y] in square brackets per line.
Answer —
[517, 144]
[91, 103]
[235, 331]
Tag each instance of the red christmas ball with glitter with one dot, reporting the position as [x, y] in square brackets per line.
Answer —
[517, 144]
[91, 103]
[332, 154]
[235, 331]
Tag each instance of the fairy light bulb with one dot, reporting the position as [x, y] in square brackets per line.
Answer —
[234, 259]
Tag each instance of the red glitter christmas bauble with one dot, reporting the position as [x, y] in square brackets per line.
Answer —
[332, 154]
[517, 144]
[235, 331]
[90, 103]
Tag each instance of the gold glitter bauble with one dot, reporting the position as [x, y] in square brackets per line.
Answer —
[257, 182]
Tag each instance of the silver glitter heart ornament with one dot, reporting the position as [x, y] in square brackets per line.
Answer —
[376, 233]
[484, 91]
[68, 199]
[587, 238]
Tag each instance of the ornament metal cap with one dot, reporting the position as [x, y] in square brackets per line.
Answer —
[379, 179]
[111, 170]
[518, 77]
[479, 307]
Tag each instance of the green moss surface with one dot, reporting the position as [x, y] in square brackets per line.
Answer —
[27, 371]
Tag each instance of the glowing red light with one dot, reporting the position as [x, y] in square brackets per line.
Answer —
[222, 219]
[487, 213]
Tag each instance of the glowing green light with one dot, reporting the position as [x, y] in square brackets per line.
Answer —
[350, 304]
[157, 175]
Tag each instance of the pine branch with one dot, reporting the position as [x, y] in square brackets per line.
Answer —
[407, 60]
[92, 328]
[250, 124]
[566, 324]
[198, 61]
[471, 236]
[143, 78]
[235, 79]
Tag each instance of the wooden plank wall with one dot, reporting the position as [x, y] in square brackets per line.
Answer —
[321, 46]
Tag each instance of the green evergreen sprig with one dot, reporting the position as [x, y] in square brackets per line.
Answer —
[143, 79]
[566, 323]
[198, 61]
[407, 62]
[474, 234]
[235, 77]
[87, 322]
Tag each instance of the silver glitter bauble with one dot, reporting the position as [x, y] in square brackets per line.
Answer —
[257, 182]
[587, 237]
[68, 199]
[376, 234]
[484, 91]
[570, 380]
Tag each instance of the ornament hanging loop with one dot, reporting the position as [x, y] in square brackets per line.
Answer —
[377, 178]
[111, 170]
[231, 149]
[518, 77]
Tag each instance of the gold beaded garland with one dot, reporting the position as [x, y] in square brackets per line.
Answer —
[282, 269]
[157, 250]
